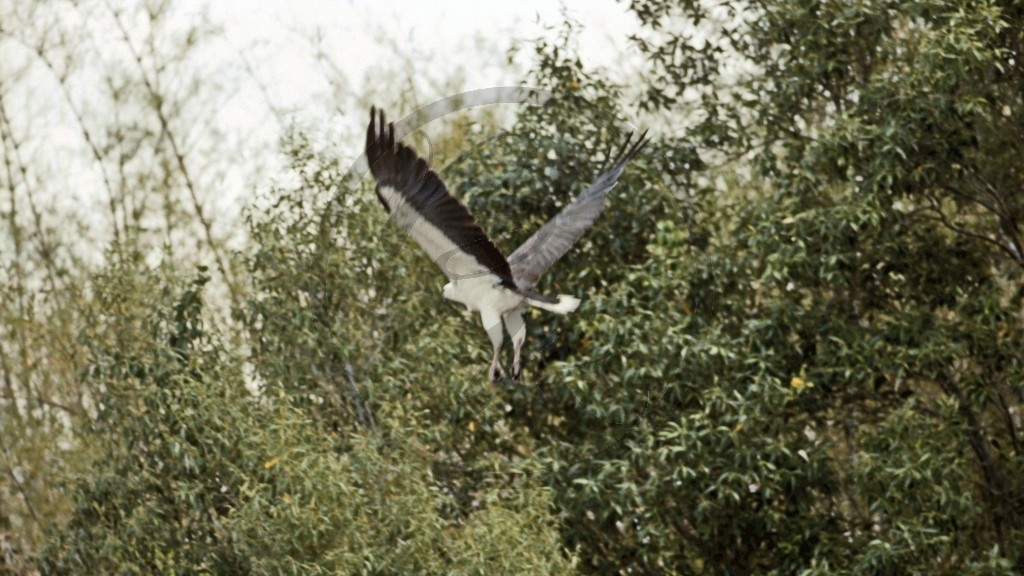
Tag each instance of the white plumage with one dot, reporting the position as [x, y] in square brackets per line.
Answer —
[479, 275]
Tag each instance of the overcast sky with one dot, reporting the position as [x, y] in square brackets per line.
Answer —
[444, 32]
[464, 39]
[263, 60]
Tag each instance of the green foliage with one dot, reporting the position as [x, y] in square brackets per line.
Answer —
[198, 475]
[881, 268]
[172, 456]
[919, 101]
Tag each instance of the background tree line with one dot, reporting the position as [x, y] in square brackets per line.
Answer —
[798, 352]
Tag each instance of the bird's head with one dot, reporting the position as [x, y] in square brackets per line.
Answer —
[452, 291]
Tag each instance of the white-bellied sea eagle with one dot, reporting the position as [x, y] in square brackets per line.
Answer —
[480, 277]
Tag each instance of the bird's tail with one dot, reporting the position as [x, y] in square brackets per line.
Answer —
[561, 304]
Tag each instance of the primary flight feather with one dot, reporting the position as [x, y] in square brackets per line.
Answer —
[480, 277]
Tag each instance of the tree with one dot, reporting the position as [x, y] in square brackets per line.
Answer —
[99, 110]
[882, 269]
[197, 474]
[750, 386]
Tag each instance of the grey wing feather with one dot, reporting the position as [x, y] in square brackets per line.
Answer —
[558, 235]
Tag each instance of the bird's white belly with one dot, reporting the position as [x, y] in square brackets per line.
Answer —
[482, 293]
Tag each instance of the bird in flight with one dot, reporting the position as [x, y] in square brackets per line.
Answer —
[480, 277]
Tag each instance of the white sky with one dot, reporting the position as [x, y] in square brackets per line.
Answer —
[453, 38]
[265, 60]
[444, 31]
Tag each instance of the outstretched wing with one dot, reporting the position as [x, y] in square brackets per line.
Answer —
[554, 239]
[420, 205]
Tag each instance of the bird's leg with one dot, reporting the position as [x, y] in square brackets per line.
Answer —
[517, 330]
[492, 324]
[497, 372]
